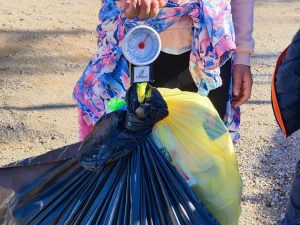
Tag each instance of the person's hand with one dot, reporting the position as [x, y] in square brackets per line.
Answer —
[242, 84]
[143, 8]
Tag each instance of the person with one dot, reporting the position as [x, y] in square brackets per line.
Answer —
[286, 106]
[208, 28]
[174, 67]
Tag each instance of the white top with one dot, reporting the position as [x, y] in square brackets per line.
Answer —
[177, 39]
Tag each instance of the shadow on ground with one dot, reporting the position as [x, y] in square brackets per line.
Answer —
[28, 52]
[40, 107]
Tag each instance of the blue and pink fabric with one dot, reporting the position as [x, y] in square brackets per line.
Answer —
[106, 75]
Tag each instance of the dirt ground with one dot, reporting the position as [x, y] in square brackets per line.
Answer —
[44, 48]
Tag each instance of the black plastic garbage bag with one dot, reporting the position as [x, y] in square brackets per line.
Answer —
[118, 176]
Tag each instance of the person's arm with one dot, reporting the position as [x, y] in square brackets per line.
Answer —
[242, 13]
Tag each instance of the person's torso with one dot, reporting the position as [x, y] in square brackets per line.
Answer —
[177, 38]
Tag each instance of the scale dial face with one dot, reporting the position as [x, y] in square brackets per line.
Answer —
[141, 45]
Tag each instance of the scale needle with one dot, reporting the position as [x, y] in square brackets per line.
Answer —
[142, 44]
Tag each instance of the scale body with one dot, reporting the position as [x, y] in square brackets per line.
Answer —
[141, 47]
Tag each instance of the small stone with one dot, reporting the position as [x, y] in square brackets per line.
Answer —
[268, 204]
[281, 174]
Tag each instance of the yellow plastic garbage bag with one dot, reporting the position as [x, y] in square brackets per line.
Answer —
[201, 149]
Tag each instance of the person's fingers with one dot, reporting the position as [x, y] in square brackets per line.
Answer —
[247, 85]
[241, 99]
[237, 84]
[127, 4]
[132, 10]
[142, 8]
[154, 8]
[245, 91]
[161, 3]
[145, 8]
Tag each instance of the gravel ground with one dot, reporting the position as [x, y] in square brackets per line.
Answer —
[45, 46]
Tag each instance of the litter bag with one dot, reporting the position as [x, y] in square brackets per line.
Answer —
[118, 176]
[201, 149]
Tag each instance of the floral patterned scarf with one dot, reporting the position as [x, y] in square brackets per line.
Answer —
[106, 75]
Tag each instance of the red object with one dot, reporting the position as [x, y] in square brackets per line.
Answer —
[275, 105]
[141, 45]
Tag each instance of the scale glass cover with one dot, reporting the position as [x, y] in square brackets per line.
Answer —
[141, 45]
